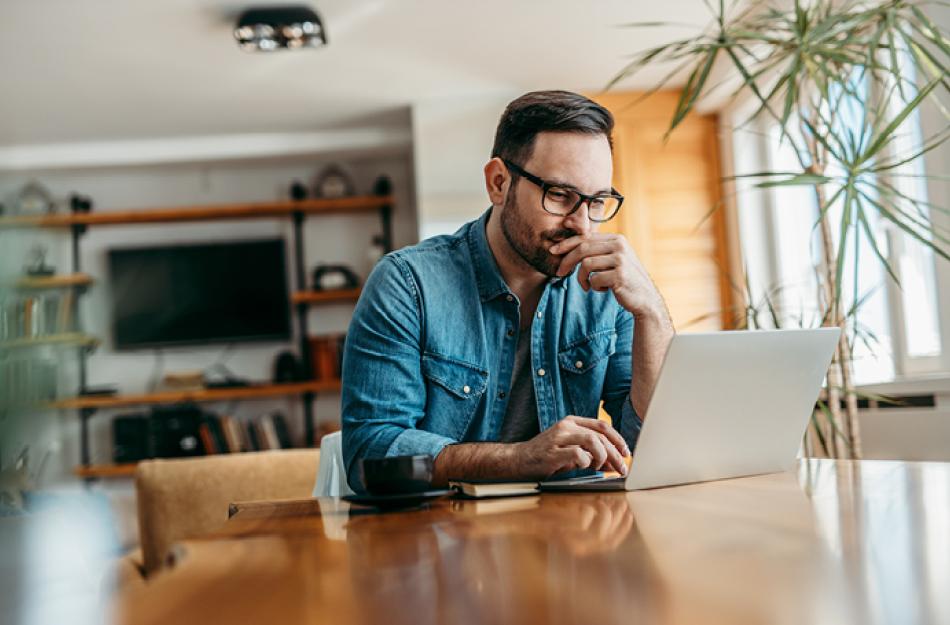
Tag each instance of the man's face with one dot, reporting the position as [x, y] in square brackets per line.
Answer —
[571, 159]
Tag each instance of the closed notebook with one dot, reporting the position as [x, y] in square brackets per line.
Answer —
[493, 488]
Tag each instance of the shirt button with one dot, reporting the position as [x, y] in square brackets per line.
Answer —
[541, 372]
[511, 332]
[539, 314]
[579, 364]
[466, 389]
[501, 394]
[510, 298]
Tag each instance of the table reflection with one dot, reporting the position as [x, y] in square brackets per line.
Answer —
[888, 526]
[527, 558]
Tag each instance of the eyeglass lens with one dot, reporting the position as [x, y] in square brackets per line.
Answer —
[561, 201]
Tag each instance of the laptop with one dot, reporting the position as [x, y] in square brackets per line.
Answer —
[726, 404]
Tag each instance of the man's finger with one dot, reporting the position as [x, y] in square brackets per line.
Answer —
[583, 250]
[614, 459]
[604, 428]
[611, 460]
[596, 445]
[603, 280]
[591, 442]
[593, 264]
[573, 457]
[604, 454]
[566, 245]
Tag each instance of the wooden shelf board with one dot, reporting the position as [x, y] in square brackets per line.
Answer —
[247, 210]
[204, 395]
[23, 221]
[53, 282]
[105, 470]
[69, 338]
[325, 297]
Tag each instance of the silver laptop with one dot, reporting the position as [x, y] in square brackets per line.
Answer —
[727, 404]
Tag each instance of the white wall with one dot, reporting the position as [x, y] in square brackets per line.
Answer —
[452, 140]
[338, 239]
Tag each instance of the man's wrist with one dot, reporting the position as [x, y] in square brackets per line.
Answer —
[477, 461]
[514, 457]
[442, 466]
[657, 315]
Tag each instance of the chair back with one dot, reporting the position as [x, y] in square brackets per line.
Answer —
[186, 498]
[331, 475]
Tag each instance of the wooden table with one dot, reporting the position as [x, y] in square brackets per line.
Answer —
[838, 542]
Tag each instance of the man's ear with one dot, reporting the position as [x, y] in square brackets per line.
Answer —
[497, 179]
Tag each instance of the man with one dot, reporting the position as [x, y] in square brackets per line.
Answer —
[492, 349]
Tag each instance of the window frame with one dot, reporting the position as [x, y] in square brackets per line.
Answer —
[763, 264]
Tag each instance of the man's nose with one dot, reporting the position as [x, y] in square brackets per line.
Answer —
[579, 221]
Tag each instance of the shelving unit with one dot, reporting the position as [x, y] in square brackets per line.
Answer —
[87, 405]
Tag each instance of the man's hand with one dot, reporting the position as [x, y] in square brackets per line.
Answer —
[608, 262]
[572, 443]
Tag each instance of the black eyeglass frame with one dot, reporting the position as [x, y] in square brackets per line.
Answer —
[544, 185]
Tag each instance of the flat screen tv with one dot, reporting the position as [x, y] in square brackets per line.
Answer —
[193, 294]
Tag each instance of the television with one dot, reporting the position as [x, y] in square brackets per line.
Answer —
[195, 294]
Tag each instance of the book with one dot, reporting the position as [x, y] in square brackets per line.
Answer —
[268, 432]
[253, 444]
[493, 488]
[283, 431]
[207, 440]
[232, 433]
[216, 429]
[64, 316]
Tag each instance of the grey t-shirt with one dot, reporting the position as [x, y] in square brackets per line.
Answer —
[521, 418]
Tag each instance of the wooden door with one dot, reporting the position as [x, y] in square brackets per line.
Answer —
[671, 189]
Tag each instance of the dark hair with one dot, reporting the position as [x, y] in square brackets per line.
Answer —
[547, 111]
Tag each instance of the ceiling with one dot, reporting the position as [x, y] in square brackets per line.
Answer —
[101, 70]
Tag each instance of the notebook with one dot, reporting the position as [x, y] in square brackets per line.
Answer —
[477, 489]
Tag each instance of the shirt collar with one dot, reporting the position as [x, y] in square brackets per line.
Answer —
[490, 282]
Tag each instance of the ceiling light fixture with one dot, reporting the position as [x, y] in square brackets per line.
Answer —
[271, 28]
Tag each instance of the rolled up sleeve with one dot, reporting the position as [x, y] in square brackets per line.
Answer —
[383, 396]
[616, 394]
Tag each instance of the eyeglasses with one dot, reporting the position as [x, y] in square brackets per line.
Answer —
[562, 201]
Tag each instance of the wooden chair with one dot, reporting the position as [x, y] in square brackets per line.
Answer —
[331, 476]
[185, 498]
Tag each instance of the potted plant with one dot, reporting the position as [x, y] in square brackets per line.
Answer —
[800, 62]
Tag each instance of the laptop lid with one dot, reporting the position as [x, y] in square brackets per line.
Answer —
[729, 404]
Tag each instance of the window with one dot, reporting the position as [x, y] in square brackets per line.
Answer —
[897, 329]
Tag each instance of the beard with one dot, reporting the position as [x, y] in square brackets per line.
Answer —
[530, 246]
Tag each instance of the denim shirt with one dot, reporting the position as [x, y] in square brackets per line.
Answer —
[430, 349]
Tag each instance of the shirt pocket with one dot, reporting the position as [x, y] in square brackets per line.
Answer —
[454, 389]
[583, 366]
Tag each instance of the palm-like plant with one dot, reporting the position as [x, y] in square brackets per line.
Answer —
[801, 64]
